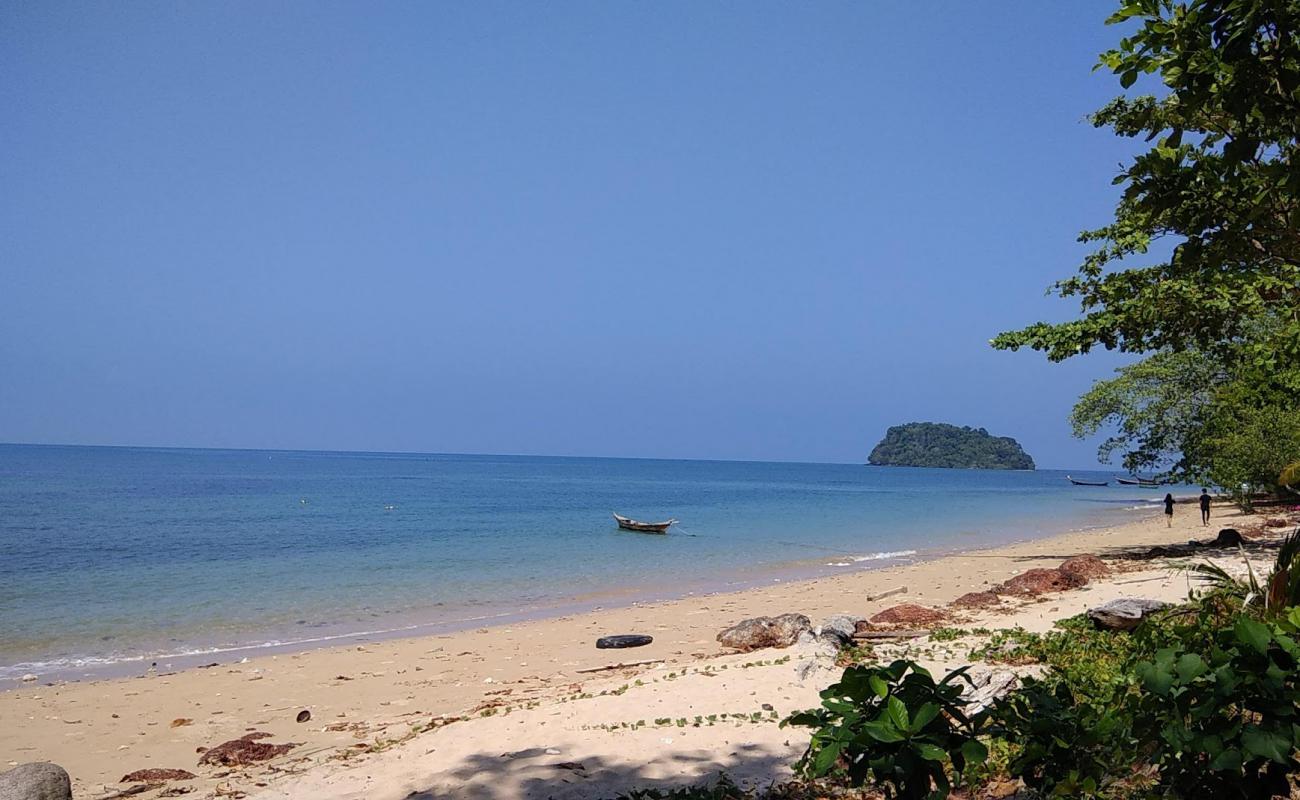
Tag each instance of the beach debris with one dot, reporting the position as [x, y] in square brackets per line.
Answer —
[28, 678]
[36, 781]
[987, 686]
[623, 640]
[759, 632]
[1040, 581]
[1124, 614]
[622, 665]
[909, 614]
[976, 600]
[156, 775]
[1088, 566]
[180, 722]
[244, 750]
[570, 765]
[303, 715]
[1276, 522]
[891, 633]
[133, 790]
[883, 595]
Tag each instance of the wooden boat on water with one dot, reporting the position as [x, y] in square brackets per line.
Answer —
[1077, 482]
[1137, 482]
[643, 527]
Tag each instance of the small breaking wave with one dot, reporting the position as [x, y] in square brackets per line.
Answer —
[881, 556]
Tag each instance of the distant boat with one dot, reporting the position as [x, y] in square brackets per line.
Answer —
[1087, 483]
[643, 527]
[1137, 482]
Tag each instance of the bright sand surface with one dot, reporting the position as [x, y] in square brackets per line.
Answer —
[535, 724]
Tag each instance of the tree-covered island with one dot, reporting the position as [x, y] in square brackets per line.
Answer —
[936, 444]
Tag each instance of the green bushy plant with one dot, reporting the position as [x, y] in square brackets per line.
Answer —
[1064, 743]
[1225, 721]
[895, 727]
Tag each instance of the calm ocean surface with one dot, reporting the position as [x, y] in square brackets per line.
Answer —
[113, 557]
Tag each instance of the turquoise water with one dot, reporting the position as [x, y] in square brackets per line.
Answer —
[114, 556]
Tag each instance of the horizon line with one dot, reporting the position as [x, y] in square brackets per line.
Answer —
[496, 455]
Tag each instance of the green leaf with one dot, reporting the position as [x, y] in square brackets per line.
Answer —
[923, 716]
[1256, 741]
[898, 713]
[1227, 761]
[1190, 666]
[1154, 679]
[883, 731]
[1253, 634]
[930, 752]
[878, 685]
[974, 751]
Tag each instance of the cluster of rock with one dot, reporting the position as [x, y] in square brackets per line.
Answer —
[45, 781]
[787, 630]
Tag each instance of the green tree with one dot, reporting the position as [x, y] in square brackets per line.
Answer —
[1220, 182]
[1158, 409]
[1250, 448]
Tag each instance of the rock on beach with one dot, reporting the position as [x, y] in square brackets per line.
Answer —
[36, 781]
[1040, 581]
[759, 632]
[909, 614]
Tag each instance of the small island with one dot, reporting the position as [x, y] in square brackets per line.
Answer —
[936, 444]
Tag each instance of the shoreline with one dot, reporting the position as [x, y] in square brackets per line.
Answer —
[835, 562]
[373, 695]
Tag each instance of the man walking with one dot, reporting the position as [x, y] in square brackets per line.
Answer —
[1205, 507]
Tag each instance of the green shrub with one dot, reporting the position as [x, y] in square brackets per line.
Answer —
[1062, 741]
[1224, 720]
[894, 727]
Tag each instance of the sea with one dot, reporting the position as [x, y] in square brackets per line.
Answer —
[117, 560]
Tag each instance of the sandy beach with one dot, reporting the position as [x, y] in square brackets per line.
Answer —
[526, 710]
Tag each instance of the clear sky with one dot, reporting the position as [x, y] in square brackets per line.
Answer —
[670, 229]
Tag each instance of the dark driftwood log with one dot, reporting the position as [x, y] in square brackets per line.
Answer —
[878, 635]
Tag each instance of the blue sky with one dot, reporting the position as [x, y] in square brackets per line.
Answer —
[698, 230]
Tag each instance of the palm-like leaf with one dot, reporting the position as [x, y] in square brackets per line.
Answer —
[1284, 581]
[1290, 475]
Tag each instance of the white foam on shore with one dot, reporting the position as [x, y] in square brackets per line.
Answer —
[873, 557]
[74, 663]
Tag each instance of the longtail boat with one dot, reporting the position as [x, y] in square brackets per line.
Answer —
[1137, 482]
[643, 527]
[1087, 483]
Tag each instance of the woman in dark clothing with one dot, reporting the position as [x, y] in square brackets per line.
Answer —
[1169, 511]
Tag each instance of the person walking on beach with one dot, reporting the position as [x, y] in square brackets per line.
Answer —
[1205, 506]
[1169, 510]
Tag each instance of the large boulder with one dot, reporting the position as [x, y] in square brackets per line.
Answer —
[1034, 582]
[1124, 614]
[36, 781]
[752, 634]
[976, 600]
[1088, 567]
[910, 614]
[1228, 537]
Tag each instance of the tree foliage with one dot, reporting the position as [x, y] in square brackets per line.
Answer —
[1220, 182]
[1158, 409]
[936, 444]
